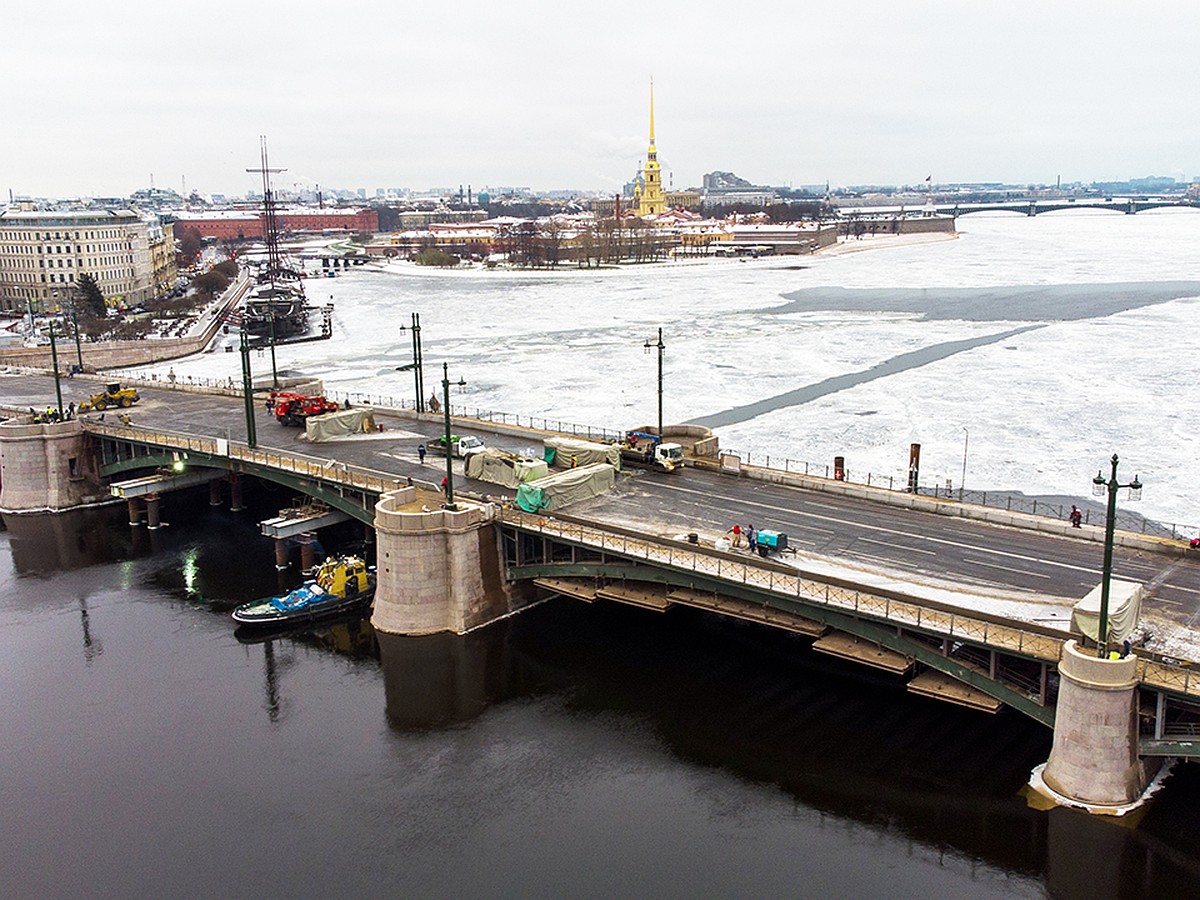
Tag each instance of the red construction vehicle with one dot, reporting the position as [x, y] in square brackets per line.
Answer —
[293, 409]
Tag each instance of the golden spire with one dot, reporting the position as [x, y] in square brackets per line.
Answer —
[652, 111]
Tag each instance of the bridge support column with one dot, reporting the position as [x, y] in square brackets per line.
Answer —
[152, 512]
[438, 570]
[134, 505]
[214, 492]
[1094, 761]
[308, 552]
[235, 494]
[281, 554]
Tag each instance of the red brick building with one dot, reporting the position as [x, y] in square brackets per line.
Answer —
[238, 224]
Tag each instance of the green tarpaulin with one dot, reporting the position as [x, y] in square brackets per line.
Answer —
[573, 452]
[500, 467]
[567, 487]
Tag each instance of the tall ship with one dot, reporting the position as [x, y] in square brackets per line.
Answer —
[276, 308]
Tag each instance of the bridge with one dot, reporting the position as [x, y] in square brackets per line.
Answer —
[1124, 205]
[950, 631]
[1127, 205]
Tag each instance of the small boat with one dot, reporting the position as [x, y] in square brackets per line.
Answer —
[342, 584]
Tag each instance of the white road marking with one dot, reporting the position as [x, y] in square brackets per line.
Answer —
[991, 565]
[894, 544]
[909, 534]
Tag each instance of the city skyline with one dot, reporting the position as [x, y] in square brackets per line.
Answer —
[559, 100]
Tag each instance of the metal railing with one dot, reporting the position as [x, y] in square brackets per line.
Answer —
[327, 470]
[1127, 520]
[952, 622]
[1153, 670]
[1006, 500]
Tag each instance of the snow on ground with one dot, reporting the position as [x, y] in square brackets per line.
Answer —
[1038, 411]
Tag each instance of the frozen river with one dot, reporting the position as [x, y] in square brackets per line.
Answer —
[1039, 346]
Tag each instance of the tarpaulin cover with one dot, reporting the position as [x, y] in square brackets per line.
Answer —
[566, 487]
[507, 469]
[586, 453]
[1124, 606]
[339, 424]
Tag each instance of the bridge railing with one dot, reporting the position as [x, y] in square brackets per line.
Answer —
[327, 470]
[1026, 639]
[1006, 500]
[950, 621]
[1127, 520]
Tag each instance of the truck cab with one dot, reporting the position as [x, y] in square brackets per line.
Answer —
[460, 445]
[657, 454]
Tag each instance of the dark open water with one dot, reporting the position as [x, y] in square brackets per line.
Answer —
[582, 751]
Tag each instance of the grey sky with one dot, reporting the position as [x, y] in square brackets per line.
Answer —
[99, 95]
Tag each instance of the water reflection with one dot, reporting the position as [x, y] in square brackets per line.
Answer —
[704, 704]
[91, 647]
[43, 543]
[437, 679]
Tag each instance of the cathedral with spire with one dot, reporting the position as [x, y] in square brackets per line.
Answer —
[648, 196]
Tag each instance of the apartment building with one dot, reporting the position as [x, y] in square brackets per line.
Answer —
[43, 253]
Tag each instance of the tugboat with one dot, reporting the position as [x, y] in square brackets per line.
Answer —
[342, 584]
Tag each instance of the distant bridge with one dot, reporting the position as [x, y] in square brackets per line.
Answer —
[1128, 206]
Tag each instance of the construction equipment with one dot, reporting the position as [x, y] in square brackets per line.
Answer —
[293, 409]
[655, 455]
[112, 395]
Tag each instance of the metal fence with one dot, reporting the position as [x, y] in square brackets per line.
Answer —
[1127, 520]
[1153, 670]
[964, 624]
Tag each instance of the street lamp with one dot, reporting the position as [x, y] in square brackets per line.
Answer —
[54, 363]
[248, 393]
[1099, 486]
[661, 347]
[75, 325]
[449, 447]
[418, 363]
[962, 482]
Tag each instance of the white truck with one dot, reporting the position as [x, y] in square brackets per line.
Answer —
[648, 451]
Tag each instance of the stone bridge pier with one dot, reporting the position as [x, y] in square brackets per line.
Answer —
[437, 569]
[44, 467]
[1094, 762]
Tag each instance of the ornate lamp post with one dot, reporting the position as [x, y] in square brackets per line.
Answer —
[962, 482]
[418, 363]
[449, 447]
[54, 364]
[75, 325]
[1099, 486]
[248, 394]
[661, 347]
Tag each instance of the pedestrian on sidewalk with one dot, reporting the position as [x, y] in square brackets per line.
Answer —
[1076, 517]
[752, 538]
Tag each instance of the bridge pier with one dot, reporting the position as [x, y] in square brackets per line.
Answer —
[42, 467]
[308, 551]
[235, 493]
[214, 492]
[153, 504]
[134, 507]
[1094, 761]
[437, 569]
[281, 554]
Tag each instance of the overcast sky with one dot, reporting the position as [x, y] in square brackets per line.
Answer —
[98, 96]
